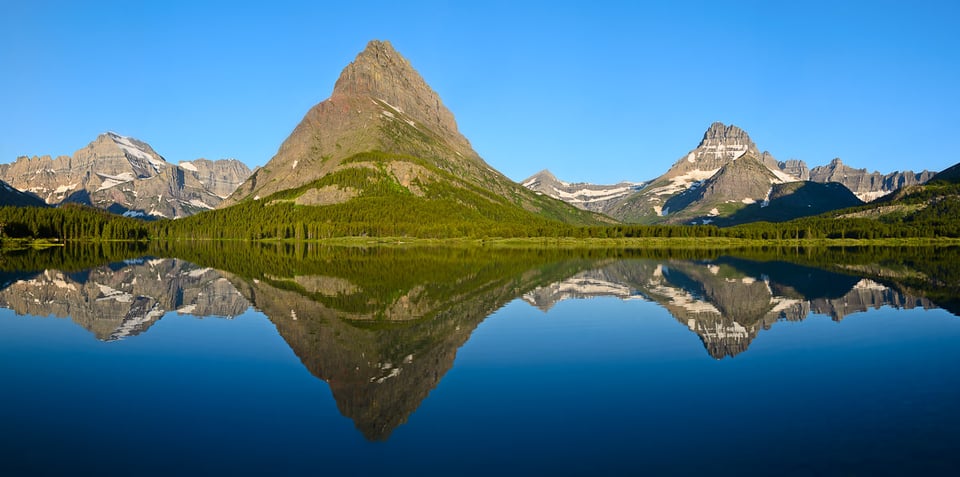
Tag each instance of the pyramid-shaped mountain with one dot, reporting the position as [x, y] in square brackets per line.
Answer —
[384, 135]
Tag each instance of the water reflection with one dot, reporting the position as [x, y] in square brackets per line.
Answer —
[383, 326]
[123, 299]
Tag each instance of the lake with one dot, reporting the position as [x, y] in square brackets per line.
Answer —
[308, 360]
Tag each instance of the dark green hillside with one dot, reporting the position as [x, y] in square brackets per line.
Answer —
[380, 194]
[949, 175]
[793, 200]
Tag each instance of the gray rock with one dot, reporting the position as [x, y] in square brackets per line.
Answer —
[867, 186]
[125, 175]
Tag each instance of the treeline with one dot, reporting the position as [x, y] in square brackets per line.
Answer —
[69, 222]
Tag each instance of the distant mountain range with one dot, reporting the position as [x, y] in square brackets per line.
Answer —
[727, 180]
[384, 156]
[126, 176]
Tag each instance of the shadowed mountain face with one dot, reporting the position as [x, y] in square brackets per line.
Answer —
[382, 326]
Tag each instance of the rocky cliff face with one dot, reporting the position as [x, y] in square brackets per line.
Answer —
[867, 185]
[795, 168]
[593, 197]
[126, 176]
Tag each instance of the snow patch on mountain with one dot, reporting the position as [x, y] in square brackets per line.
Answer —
[683, 182]
[113, 181]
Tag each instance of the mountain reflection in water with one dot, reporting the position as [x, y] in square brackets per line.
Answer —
[382, 326]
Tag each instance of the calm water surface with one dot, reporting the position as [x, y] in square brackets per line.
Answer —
[463, 362]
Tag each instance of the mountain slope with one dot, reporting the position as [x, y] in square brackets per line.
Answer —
[950, 175]
[384, 122]
[11, 196]
[126, 176]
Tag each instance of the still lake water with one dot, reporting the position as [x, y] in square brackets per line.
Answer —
[302, 361]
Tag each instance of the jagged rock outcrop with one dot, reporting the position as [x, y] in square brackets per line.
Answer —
[867, 185]
[586, 196]
[795, 168]
[220, 177]
[126, 176]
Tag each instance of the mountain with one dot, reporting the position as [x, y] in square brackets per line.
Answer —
[723, 174]
[126, 176]
[727, 180]
[867, 185]
[586, 196]
[950, 175]
[11, 196]
[383, 143]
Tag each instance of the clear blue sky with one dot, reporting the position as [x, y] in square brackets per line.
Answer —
[594, 91]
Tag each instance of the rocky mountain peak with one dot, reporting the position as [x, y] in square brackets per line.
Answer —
[380, 73]
[544, 175]
[719, 132]
[720, 145]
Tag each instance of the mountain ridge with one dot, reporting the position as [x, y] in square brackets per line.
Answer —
[126, 176]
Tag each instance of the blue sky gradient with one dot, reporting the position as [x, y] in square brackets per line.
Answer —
[594, 91]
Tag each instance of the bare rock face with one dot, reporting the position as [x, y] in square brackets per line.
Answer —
[380, 72]
[379, 103]
[720, 145]
[586, 196]
[126, 176]
[867, 185]
[220, 177]
[796, 168]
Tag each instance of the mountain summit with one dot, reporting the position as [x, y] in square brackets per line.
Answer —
[380, 72]
[384, 141]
